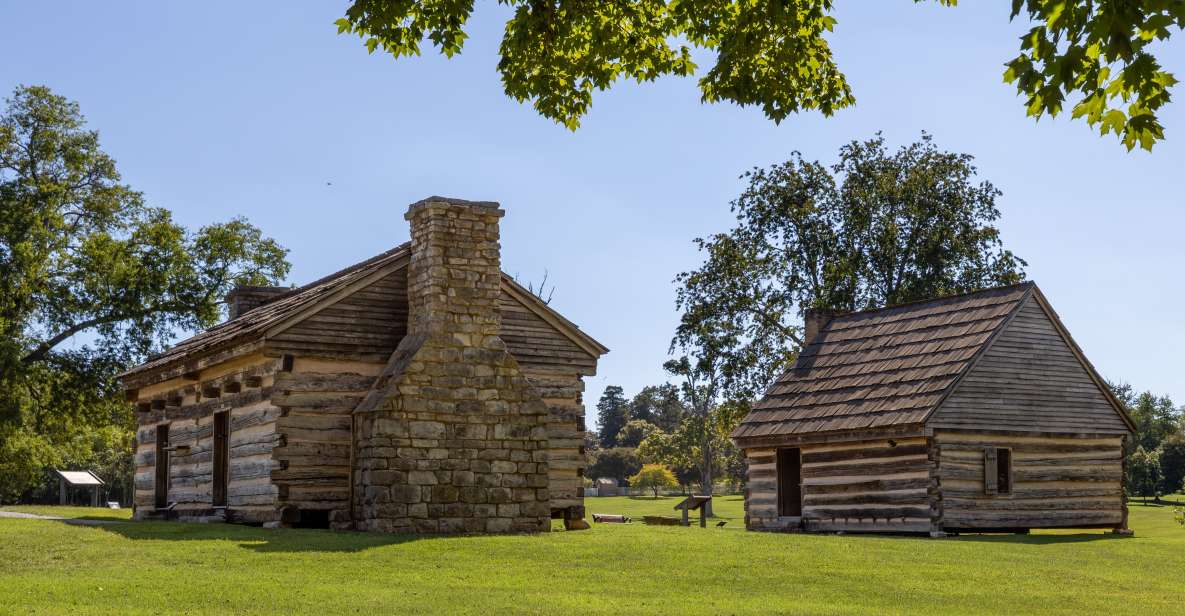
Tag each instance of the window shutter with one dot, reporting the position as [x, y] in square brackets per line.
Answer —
[990, 471]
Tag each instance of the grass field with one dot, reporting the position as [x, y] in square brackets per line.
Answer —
[87, 513]
[152, 568]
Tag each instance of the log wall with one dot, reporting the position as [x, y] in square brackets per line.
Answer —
[245, 392]
[313, 459]
[858, 486]
[1057, 481]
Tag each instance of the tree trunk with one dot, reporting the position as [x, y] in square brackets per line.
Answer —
[706, 478]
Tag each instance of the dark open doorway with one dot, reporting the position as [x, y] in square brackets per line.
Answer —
[790, 482]
[221, 457]
[161, 483]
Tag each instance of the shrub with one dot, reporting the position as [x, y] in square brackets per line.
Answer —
[654, 477]
[1143, 470]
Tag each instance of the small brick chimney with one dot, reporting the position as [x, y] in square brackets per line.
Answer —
[814, 320]
[243, 298]
[452, 438]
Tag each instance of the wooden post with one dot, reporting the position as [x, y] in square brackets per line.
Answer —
[703, 516]
[61, 491]
[95, 496]
[686, 522]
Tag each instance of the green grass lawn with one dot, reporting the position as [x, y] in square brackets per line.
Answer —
[155, 568]
[730, 509]
[88, 513]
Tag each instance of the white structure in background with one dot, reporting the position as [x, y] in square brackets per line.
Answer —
[78, 479]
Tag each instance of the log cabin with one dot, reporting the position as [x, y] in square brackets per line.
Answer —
[971, 413]
[422, 390]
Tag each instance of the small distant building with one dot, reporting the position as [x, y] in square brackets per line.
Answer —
[87, 480]
[969, 413]
[421, 390]
[606, 486]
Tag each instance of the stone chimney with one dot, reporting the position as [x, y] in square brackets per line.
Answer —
[243, 298]
[455, 275]
[452, 437]
[814, 320]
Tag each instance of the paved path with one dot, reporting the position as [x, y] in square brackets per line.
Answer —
[76, 521]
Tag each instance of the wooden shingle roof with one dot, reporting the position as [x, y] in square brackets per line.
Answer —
[880, 368]
[256, 321]
[297, 303]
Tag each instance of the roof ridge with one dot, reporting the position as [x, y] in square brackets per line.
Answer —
[291, 291]
[936, 300]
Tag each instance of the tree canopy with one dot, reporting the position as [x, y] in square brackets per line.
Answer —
[659, 405]
[1143, 473]
[612, 415]
[1096, 56]
[654, 477]
[1156, 417]
[877, 228]
[92, 279]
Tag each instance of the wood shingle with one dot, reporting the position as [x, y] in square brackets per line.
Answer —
[882, 368]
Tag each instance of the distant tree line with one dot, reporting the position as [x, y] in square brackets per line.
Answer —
[1156, 453]
[658, 427]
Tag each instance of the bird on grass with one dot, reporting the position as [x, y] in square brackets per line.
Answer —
[721, 523]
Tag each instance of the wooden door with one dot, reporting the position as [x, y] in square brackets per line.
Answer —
[790, 482]
[161, 483]
[221, 457]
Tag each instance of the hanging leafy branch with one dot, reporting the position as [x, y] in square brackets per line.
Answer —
[775, 55]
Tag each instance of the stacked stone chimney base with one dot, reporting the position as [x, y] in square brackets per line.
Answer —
[460, 446]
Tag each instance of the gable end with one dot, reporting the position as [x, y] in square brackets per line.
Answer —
[1032, 378]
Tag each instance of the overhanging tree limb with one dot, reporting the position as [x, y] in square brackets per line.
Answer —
[1097, 56]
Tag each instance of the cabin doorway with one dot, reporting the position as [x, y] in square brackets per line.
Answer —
[221, 457]
[161, 483]
[790, 482]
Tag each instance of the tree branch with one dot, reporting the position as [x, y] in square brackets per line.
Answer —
[782, 329]
[43, 349]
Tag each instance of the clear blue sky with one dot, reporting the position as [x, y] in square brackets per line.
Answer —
[219, 109]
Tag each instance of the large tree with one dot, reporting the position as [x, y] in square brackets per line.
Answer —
[92, 279]
[659, 405]
[617, 463]
[874, 229]
[1172, 463]
[701, 440]
[1097, 56]
[612, 415]
[1143, 477]
[1156, 417]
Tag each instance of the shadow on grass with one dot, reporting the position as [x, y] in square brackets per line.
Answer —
[269, 540]
[1160, 503]
[1044, 539]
